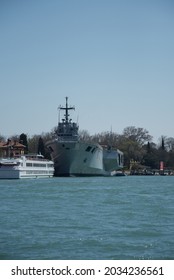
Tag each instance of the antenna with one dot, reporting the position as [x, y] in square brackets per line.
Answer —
[77, 118]
[66, 108]
[58, 114]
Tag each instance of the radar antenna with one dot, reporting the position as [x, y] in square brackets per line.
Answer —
[66, 110]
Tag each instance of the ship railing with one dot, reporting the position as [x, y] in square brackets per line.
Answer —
[67, 139]
[34, 157]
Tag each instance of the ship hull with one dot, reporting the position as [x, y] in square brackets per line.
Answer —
[76, 158]
[112, 160]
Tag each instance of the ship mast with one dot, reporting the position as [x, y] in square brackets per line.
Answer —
[66, 110]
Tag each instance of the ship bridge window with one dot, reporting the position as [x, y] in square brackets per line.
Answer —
[88, 149]
[93, 150]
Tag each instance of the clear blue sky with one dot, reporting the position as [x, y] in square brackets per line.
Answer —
[114, 59]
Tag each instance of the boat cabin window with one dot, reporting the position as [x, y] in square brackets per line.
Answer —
[39, 165]
[28, 164]
[49, 165]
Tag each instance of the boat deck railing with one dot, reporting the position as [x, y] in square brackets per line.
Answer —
[68, 139]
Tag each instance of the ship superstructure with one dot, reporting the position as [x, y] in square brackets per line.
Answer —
[67, 130]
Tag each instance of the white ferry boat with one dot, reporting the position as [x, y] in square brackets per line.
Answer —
[73, 157]
[26, 166]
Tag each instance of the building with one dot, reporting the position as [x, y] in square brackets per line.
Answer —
[11, 148]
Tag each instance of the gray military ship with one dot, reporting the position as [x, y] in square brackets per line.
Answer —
[73, 157]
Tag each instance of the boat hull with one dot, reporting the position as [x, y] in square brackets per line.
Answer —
[82, 159]
[112, 160]
[76, 158]
[22, 174]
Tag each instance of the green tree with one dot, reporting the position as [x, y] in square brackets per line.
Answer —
[41, 147]
[169, 144]
[150, 158]
[132, 150]
[23, 140]
[162, 152]
[33, 143]
[162, 144]
[170, 161]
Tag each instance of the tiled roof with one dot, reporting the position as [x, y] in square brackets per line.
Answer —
[14, 144]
